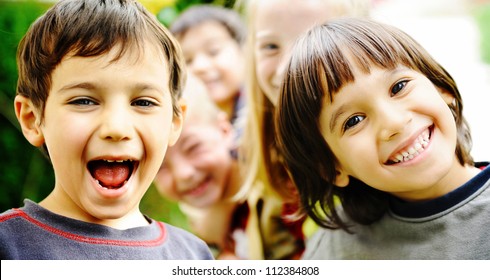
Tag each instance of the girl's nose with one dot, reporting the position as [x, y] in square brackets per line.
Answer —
[392, 120]
[281, 68]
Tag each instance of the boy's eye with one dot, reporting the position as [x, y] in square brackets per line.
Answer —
[193, 148]
[353, 121]
[398, 87]
[82, 102]
[143, 103]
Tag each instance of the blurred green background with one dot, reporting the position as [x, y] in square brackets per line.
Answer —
[25, 172]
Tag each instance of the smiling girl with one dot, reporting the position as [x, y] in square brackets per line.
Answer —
[372, 132]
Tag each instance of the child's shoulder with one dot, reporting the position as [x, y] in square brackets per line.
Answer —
[185, 244]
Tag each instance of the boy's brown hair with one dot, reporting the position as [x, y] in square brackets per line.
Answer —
[90, 28]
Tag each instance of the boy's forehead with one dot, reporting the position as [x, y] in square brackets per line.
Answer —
[127, 49]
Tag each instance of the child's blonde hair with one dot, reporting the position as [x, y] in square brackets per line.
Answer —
[199, 105]
[260, 158]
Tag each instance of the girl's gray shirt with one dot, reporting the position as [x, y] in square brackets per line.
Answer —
[455, 226]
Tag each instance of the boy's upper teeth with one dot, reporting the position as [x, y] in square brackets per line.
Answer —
[117, 160]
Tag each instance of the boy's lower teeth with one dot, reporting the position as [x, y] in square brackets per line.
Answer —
[111, 187]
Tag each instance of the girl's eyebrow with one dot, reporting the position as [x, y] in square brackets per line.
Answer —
[336, 115]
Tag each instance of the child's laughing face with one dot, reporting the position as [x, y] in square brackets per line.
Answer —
[107, 126]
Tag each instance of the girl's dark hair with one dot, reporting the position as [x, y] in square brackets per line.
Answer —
[197, 14]
[318, 68]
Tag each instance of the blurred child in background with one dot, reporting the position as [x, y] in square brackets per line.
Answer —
[273, 26]
[212, 38]
[201, 174]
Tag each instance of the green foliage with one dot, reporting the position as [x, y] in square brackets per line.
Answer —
[482, 17]
[161, 209]
[169, 14]
[26, 173]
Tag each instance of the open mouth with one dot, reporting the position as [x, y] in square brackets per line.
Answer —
[111, 174]
[199, 188]
[413, 150]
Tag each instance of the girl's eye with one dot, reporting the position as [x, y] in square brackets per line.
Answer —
[398, 87]
[82, 102]
[214, 51]
[269, 49]
[143, 103]
[353, 121]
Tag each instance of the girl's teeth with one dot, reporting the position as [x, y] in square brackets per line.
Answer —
[415, 150]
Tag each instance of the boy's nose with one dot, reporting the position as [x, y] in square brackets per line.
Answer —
[116, 124]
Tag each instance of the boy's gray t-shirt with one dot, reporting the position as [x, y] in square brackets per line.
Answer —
[32, 232]
[455, 226]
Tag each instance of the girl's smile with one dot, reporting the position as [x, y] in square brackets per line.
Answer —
[412, 150]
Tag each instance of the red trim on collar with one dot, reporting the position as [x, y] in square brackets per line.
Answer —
[147, 243]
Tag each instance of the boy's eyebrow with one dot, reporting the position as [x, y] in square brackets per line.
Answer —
[336, 114]
[91, 86]
[83, 85]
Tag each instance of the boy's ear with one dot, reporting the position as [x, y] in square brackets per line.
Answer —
[225, 125]
[29, 119]
[341, 178]
[177, 122]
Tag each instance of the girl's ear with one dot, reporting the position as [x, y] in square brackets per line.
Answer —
[447, 97]
[177, 123]
[29, 120]
[341, 178]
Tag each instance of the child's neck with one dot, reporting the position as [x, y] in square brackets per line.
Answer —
[228, 107]
[65, 207]
[455, 178]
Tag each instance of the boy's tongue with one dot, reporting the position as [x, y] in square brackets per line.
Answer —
[110, 174]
